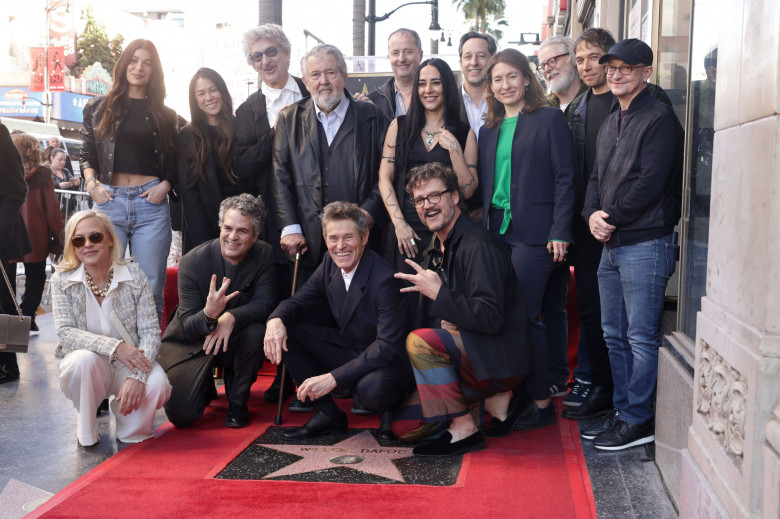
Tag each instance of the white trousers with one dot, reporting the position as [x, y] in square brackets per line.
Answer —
[87, 379]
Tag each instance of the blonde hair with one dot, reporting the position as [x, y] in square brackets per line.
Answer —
[69, 259]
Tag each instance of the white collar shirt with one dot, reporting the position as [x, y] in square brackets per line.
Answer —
[98, 321]
[348, 276]
[474, 112]
[332, 122]
[278, 98]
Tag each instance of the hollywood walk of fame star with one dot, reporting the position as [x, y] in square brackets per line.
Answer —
[360, 452]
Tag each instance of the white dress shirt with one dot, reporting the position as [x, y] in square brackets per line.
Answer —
[278, 98]
[474, 112]
[348, 276]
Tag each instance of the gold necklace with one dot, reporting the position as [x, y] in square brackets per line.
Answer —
[100, 292]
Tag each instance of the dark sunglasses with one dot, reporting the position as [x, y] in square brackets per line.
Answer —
[270, 52]
[93, 237]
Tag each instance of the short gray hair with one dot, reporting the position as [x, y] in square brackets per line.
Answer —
[319, 50]
[345, 211]
[411, 33]
[246, 204]
[269, 30]
[564, 41]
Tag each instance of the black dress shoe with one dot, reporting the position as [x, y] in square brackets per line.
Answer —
[499, 428]
[536, 418]
[296, 406]
[597, 403]
[444, 446]
[237, 416]
[385, 434]
[317, 425]
[271, 395]
[600, 428]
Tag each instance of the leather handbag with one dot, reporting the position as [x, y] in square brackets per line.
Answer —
[14, 329]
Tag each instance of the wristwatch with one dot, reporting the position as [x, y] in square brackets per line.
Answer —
[211, 322]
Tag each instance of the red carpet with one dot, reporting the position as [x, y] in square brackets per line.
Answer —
[529, 474]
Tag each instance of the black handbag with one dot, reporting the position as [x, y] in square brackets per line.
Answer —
[14, 329]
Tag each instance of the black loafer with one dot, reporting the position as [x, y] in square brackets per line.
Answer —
[237, 417]
[317, 425]
[444, 446]
[536, 418]
[385, 434]
[501, 429]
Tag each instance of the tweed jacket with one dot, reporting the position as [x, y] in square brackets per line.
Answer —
[133, 304]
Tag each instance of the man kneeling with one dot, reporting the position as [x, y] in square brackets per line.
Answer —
[364, 348]
[477, 345]
[216, 327]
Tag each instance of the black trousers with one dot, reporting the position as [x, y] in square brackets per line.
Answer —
[314, 349]
[7, 307]
[35, 281]
[192, 380]
[586, 254]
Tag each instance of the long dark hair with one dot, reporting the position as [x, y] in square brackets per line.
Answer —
[413, 123]
[115, 103]
[534, 94]
[199, 147]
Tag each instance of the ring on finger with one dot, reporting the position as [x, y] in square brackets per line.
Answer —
[412, 242]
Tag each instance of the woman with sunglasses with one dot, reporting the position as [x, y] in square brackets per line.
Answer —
[527, 172]
[431, 131]
[42, 217]
[128, 159]
[204, 151]
[106, 321]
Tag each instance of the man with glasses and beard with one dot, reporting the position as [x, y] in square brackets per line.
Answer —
[473, 341]
[327, 148]
[557, 68]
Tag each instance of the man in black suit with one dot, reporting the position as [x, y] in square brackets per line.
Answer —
[215, 327]
[366, 348]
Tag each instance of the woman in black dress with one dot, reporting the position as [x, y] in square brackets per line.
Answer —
[431, 131]
[205, 158]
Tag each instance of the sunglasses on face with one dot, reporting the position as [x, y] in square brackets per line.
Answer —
[270, 52]
[93, 237]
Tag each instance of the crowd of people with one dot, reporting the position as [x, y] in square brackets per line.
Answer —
[437, 226]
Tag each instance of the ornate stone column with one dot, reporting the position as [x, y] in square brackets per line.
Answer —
[732, 468]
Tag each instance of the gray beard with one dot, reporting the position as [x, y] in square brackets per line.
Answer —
[562, 82]
[327, 103]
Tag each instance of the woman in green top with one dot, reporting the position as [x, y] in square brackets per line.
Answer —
[527, 174]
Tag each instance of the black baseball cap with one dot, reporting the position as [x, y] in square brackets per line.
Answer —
[632, 51]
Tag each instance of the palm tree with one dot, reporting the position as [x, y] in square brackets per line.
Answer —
[482, 12]
[270, 12]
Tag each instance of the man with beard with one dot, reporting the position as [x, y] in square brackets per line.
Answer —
[475, 49]
[404, 49]
[327, 148]
[557, 67]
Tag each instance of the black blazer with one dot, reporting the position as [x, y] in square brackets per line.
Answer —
[372, 316]
[542, 189]
[14, 242]
[256, 281]
[297, 180]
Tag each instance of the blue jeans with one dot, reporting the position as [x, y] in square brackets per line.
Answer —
[632, 282]
[146, 227]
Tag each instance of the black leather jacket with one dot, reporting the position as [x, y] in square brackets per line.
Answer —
[99, 155]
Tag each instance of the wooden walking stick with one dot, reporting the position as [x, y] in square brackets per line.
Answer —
[278, 419]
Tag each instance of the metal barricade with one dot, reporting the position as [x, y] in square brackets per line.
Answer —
[72, 202]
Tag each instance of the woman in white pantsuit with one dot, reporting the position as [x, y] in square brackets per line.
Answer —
[107, 326]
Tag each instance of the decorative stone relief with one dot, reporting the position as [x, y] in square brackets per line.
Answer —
[722, 400]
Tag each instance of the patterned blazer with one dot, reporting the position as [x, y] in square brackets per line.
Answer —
[133, 305]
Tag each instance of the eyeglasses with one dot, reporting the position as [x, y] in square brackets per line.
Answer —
[625, 70]
[270, 52]
[432, 198]
[93, 237]
[551, 62]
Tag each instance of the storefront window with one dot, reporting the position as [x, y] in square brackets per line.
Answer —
[699, 136]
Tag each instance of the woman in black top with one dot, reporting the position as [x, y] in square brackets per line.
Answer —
[431, 131]
[128, 159]
[204, 158]
[63, 179]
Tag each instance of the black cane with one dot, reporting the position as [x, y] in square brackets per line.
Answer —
[278, 419]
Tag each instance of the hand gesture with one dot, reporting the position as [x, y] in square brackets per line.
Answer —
[100, 194]
[448, 141]
[427, 282]
[275, 340]
[157, 194]
[217, 300]
[361, 97]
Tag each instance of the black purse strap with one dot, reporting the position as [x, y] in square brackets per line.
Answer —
[8, 282]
